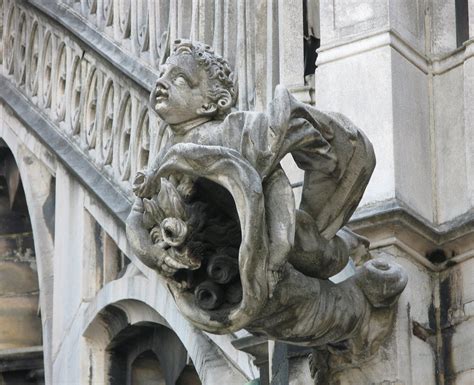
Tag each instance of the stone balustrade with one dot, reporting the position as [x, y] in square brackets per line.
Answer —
[242, 31]
[100, 111]
[105, 114]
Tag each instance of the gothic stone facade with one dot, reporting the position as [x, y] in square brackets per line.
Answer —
[78, 307]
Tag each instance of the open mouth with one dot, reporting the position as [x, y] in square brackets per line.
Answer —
[161, 95]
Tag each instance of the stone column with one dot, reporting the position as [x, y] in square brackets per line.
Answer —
[372, 67]
[291, 59]
[457, 283]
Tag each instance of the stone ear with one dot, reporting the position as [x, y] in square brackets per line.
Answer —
[207, 109]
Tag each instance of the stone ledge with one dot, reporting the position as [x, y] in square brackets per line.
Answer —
[70, 157]
[393, 223]
[21, 358]
[355, 45]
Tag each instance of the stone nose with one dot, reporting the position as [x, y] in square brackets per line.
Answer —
[161, 86]
[162, 82]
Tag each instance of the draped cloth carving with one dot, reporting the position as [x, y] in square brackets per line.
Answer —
[214, 214]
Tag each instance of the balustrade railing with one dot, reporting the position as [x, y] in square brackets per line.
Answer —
[243, 31]
[101, 112]
[105, 114]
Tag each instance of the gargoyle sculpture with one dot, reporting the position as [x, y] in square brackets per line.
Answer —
[214, 213]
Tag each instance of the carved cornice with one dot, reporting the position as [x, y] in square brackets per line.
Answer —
[437, 247]
[435, 65]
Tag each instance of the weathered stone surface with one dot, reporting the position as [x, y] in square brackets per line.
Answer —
[217, 189]
[84, 69]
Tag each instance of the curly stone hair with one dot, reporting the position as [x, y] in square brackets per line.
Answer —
[223, 90]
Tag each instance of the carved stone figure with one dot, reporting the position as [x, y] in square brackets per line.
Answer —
[214, 214]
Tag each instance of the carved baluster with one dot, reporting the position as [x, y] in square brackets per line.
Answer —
[194, 33]
[124, 11]
[142, 142]
[124, 134]
[218, 39]
[21, 42]
[74, 95]
[92, 5]
[159, 134]
[9, 39]
[108, 12]
[206, 21]
[143, 25]
[173, 20]
[107, 118]
[250, 51]
[33, 60]
[89, 9]
[241, 57]
[184, 19]
[90, 108]
[47, 68]
[60, 83]
[159, 27]
[230, 30]
[266, 53]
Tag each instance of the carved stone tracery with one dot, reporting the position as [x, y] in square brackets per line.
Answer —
[33, 59]
[124, 134]
[60, 83]
[47, 68]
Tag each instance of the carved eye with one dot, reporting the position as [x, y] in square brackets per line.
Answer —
[180, 81]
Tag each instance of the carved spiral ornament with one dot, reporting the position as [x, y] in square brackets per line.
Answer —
[47, 69]
[124, 130]
[107, 122]
[33, 60]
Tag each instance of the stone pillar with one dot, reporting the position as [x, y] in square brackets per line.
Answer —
[372, 59]
[471, 19]
[457, 323]
[394, 68]
[457, 283]
[372, 67]
[291, 59]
